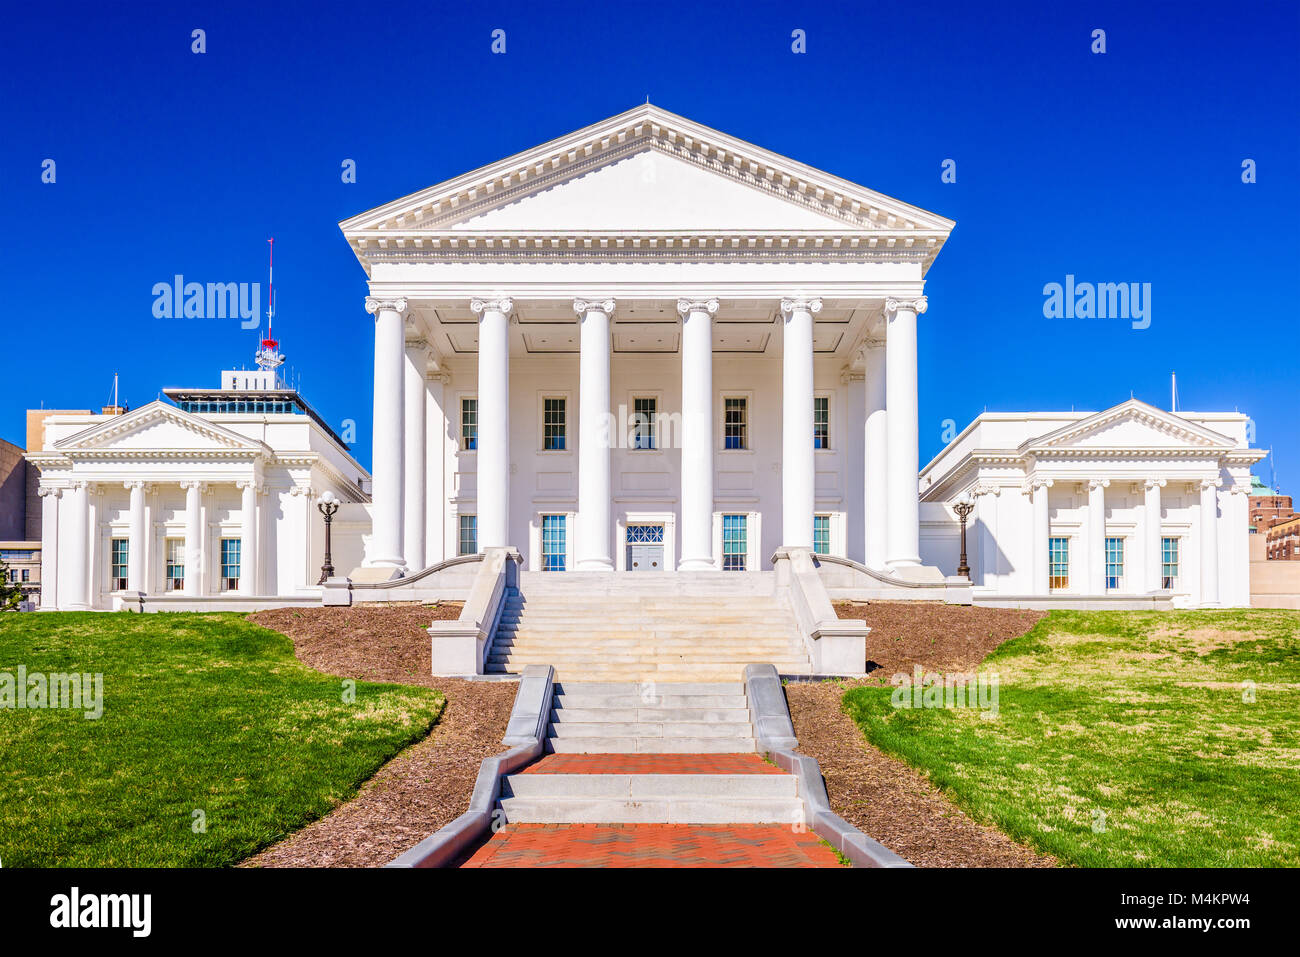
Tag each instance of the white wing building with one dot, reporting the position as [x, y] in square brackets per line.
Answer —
[645, 348]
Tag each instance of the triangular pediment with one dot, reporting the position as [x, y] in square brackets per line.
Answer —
[644, 171]
[648, 191]
[1131, 425]
[157, 427]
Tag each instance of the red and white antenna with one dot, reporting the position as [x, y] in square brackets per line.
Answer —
[268, 355]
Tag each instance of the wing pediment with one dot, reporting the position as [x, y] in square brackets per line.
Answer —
[1132, 425]
[157, 427]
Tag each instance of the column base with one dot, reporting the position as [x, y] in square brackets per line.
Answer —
[697, 565]
[594, 565]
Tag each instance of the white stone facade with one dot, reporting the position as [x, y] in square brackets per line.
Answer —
[129, 500]
[1133, 505]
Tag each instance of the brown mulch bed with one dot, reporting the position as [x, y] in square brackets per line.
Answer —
[935, 636]
[881, 795]
[428, 784]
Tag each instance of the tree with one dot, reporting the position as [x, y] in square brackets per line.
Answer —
[11, 593]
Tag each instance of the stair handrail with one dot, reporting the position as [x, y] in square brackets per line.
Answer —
[422, 573]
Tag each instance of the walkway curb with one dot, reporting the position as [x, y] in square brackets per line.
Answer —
[526, 736]
[774, 731]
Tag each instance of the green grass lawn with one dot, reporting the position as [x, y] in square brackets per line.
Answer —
[201, 713]
[1122, 739]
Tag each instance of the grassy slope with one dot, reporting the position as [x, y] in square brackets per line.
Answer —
[1137, 715]
[201, 712]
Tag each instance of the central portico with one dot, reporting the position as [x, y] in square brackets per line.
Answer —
[646, 346]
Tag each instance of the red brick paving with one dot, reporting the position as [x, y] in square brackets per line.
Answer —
[652, 845]
[652, 764]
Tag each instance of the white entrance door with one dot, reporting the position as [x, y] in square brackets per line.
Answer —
[645, 548]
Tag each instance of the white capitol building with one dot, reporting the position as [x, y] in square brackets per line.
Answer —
[643, 348]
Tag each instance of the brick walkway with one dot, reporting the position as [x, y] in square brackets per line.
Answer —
[652, 764]
[652, 845]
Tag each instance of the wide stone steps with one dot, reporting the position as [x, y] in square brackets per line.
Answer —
[708, 809]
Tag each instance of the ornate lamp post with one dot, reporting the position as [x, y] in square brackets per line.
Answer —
[328, 505]
[963, 507]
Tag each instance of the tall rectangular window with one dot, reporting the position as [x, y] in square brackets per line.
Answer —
[821, 422]
[1114, 564]
[175, 551]
[553, 425]
[734, 543]
[553, 542]
[1169, 563]
[643, 422]
[468, 534]
[1058, 562]
[229, 564]
[734, 423]
[468, 424]
[120, 550]
[821, 534]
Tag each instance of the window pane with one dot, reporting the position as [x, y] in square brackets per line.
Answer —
[1169, 563]
[553, 425]
[734, 424]
[469, 423]
[1058, 562]
[822, 534]
[643, 423]
[468, 534]
[553, 543]
[119, 560]
[230, 563]
[734, 547]
[175, 564]
[821, 422]
[1114, 563]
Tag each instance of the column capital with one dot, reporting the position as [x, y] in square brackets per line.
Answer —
[812, 305]
[242, 484]
[137, 483]
[188, 484]
[502, 304]
[584, 306]
[45, 490]
[1237, 489]
[1094, 484]
[917, 305]
[376, 305]
[687, 306]
[1033, 484]
[985, 489]
[1151, 483]
[1210, 483]
[303, 490]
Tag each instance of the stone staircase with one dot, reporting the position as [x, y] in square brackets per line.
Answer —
[680, 753]
[700, 627]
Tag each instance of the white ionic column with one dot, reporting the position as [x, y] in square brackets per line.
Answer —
[49, 547]
[1210, 541]
[493, 421]
[435, 495]
[876, 487]
[1151, 534]
[135, 538]
[194, 570]
[1038, 490]
[1095, 541]
[797, 454]
[387, 467]
[592, 552]
[697, 432]
[901, 429]
[76, 592]
[414, 464]
[248, 539]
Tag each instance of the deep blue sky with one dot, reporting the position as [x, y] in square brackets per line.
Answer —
[1119, 167]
